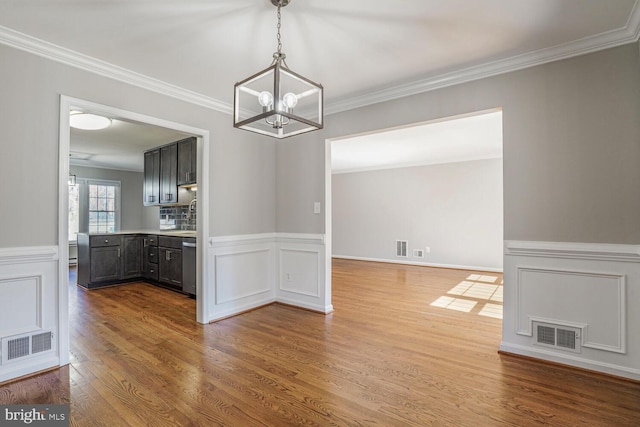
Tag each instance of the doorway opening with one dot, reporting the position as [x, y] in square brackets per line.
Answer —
[428, 194]
[68, 104]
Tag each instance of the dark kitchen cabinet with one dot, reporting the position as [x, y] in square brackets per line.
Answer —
[131, 256]
[99, 260]
[170, 261]
[151, 189]
[109, 259]
[187, 161]
[169, 174]
[150, 257]
[105, 264]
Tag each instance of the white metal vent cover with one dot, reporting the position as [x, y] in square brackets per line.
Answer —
[558, 336]
[21, 346]
[418, 253]
[401, 248]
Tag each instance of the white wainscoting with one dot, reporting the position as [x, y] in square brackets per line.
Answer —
[301, 272]
[242, 273]
[595, 287]
[28, 304]
[249, 271]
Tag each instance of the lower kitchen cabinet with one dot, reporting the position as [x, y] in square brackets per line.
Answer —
[150, 257]
[99, 260]
[131, 257]
[115, 258]
[170, 261]
[105, 264]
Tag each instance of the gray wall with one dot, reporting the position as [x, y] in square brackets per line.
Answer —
[243, 186]
[571, 147]
[454, 208]
[131, 209]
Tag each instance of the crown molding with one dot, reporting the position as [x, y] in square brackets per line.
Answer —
[628, 34]
[69, 57]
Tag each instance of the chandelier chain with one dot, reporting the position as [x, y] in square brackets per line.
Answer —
[279, 25]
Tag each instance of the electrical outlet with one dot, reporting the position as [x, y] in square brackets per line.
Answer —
[288, 277]
[427, 250]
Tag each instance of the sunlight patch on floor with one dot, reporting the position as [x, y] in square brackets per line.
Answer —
[491, 310]
[480, 278]
[454, 304]
[475, 289]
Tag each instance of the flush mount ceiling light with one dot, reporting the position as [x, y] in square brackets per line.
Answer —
[276, 101]
[88, 121]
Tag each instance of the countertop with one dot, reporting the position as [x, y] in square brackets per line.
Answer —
[174, 233]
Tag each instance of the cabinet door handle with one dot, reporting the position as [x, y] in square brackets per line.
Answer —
[106, 241]
[168, 257]
[118, 252]
[145, 243]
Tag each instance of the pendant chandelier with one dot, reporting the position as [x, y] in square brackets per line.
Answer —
[276, 101]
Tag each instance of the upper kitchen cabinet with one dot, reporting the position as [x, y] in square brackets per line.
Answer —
[169, 174]
[151, 190]
[167, 167]
[187, 161]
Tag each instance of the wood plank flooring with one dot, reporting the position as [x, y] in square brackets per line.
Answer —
[385, 357]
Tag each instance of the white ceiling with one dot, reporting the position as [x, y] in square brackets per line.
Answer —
[459, 139]
[120, 146]
[362, 51]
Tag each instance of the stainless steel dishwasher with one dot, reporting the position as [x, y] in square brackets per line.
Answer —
[189, 266]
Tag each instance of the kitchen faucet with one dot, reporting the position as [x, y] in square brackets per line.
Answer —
[192, 207]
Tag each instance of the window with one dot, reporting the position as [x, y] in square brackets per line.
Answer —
[94, 207]
[102, 208]
[74, 211]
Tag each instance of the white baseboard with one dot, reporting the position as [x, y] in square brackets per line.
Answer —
[28, 367]
[312, 307]
[571, 360]
[423, 264]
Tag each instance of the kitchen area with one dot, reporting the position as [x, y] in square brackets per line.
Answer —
[130, 225]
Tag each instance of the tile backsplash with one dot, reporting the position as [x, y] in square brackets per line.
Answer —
[177, 218]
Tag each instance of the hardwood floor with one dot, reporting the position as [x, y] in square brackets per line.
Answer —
[385, 357]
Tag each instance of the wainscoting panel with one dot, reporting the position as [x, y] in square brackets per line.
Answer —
[241, 282]
[591, 287]
[596, 300]
[242, 270]
[301, 277]
[299, 272]
[20, 305]
[249, 271]
[28, 306]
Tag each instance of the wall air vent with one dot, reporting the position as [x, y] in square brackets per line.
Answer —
[561, 337]
[18, 347]
[418, 253]
[25, 345]
[401, 248]
[41, 342]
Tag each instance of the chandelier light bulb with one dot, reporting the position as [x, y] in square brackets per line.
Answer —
[265, 99]
[290, 100]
